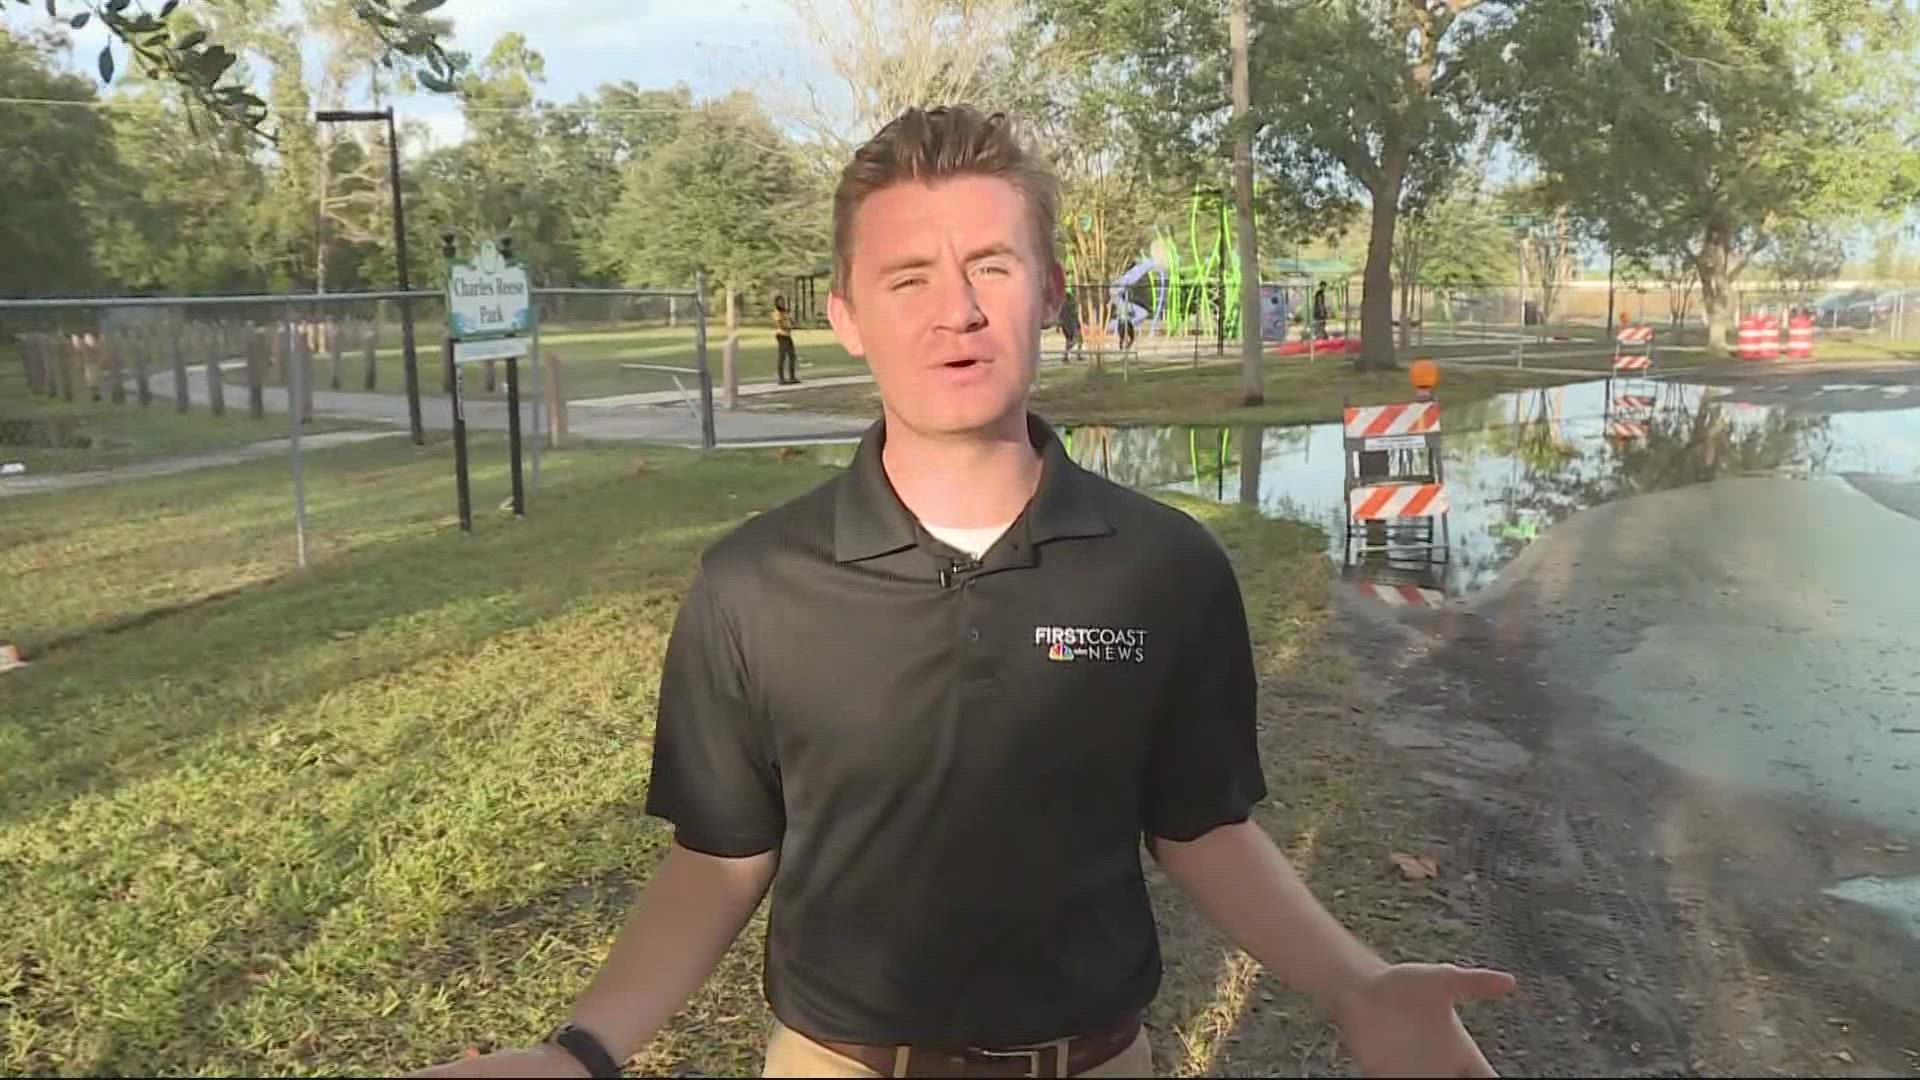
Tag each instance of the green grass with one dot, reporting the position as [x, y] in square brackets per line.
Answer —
[592, 358]
[360, 818]
[1296, 392]
[120, 435]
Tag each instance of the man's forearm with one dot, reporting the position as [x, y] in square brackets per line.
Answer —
[1245, 886]
[689, 913]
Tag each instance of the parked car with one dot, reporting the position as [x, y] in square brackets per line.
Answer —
[1852, 309]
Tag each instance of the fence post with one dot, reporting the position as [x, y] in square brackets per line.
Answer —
[296, 391]
[65, 358]
[142, 342]
[116, 347]
[708, 438]
[556, 402]
[215, 339]
[370, 355]
[277, 354]
[182, 398]
[539, 373]
[332, 331]
[259, 347]
[25, 344]
[301, 357]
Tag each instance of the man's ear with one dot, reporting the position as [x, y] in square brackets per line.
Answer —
[845, 328]
[1056, 287]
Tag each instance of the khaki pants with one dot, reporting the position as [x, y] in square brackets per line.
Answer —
[790, 1053]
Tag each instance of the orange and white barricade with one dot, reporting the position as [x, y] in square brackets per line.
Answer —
[1395, 490]
[1629, 390]
[1750, 337]
[1633, 349]
[1769, 337]
[1800, 337]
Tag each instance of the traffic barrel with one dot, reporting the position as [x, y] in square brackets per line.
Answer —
[1769, 337]
[1800, 337]
[1751, 338]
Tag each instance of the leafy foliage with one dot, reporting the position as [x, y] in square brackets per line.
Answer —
[169, 45]
[53, 165]
[725, 194]
[1704, 128]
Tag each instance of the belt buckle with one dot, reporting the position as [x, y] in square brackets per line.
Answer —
[1031, 1053]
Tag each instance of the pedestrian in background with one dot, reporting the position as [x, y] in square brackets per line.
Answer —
[788, 361]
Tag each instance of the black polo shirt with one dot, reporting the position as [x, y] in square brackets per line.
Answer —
[957, 760]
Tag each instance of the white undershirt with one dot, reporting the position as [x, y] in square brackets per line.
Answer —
[974, 542]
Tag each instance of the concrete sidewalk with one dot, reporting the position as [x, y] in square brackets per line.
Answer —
[658, 417]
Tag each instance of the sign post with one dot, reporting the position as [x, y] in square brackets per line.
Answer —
[490, 316]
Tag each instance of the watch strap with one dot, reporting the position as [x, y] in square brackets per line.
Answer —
[586, 1048]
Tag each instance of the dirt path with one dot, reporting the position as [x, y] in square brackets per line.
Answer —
[1662, 924]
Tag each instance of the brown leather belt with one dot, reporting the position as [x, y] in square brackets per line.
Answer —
[1077, 1054]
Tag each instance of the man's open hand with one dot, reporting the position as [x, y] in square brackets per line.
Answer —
[1402, 1022]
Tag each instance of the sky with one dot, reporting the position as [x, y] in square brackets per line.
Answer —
[711, 45]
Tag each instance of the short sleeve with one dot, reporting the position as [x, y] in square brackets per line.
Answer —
[714, 774]
[1205, 767]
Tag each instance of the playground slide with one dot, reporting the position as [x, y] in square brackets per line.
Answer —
[1134, 273]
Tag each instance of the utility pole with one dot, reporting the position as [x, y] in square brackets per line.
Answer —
[1253, 385]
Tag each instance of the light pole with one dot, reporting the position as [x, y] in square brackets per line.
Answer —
[410, 362]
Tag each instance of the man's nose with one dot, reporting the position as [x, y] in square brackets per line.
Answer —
[959, 304]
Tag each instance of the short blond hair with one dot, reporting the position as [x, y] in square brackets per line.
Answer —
[930, 145]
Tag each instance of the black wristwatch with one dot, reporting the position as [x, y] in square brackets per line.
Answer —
[586, 1049]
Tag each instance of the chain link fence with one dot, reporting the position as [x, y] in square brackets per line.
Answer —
[250, 436]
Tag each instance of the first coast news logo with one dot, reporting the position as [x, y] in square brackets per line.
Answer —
[1104, 644]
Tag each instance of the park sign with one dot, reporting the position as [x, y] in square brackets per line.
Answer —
[489, 303]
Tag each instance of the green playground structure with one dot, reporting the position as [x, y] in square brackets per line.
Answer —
[1170, 292]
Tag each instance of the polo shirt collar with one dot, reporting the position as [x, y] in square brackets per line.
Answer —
[869, 519]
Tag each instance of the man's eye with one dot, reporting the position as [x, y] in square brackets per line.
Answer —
[992, 270]
[908, 283]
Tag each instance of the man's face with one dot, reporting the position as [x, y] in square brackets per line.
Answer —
[946, 294]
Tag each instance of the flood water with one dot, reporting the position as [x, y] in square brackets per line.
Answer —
[1518, 464]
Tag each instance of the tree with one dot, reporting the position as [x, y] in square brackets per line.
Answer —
[888, 55]
[1372, 96]
[1453, 240]
[586, 148]
[52, 166]
[1548, 239]
[727, 194]
[172, 45]
[1805, 256]
[177, 216]
[1253, 390]
[1702, 127]
[1384, 92]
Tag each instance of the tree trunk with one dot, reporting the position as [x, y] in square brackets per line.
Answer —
[1715, 288]
[730, 354]
[1251, 458]
[1376, 296]
[320, 214]
[1253, 388]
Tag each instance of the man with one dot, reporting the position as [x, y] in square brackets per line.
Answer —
[937, 703]
[785, 359]
[1321, 313]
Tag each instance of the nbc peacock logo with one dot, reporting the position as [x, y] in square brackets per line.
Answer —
[1096, 644]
